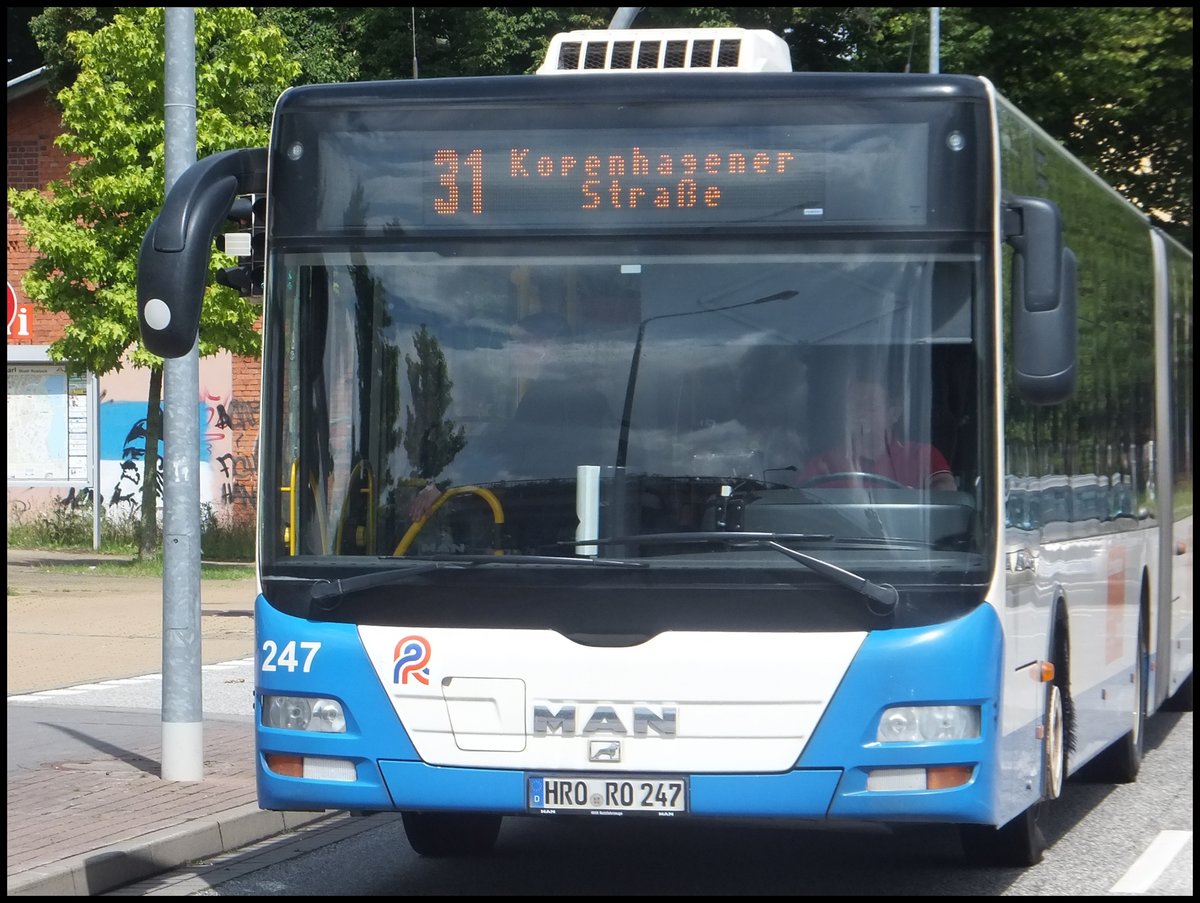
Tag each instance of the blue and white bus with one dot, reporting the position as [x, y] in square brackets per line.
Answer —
[546, 362]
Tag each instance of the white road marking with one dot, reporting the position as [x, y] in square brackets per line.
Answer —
[221, 693]
[1152, 863]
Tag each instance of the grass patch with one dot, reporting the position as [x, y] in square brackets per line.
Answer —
[150, 567]
[65, 527]
[69, 527]
[225, 537]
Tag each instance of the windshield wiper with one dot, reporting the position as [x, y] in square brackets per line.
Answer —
[883, 593]
[326, 594]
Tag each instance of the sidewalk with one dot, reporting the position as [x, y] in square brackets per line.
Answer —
[84, 827]
[87, 810]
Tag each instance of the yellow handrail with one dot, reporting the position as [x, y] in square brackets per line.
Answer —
[486, 494]
[292, 535]
[289, 535]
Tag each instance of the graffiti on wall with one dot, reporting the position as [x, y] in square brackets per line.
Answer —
[228, 431]
[128, 489]
[239, 466]
[228, 471]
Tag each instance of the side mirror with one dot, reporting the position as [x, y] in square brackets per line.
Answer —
[1044, 327]
[177, 248]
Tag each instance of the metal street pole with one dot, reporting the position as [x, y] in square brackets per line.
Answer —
[935, 38]
[182, 698]
[94, 453]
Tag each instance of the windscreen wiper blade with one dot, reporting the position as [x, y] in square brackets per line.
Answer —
[328, 593]
[884, 594]
[725, 537]
[550, 560]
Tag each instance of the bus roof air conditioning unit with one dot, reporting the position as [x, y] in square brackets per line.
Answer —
[667, 50]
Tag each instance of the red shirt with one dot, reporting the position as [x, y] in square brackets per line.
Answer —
[910, 463]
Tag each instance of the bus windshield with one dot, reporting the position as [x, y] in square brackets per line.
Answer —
[509, 399]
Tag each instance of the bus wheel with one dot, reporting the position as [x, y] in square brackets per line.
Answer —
[440, 834]
[1054, 746]
[1021, 843]
[1018, 844]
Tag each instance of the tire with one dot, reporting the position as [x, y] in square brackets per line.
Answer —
[1021, 843]
[443, 834]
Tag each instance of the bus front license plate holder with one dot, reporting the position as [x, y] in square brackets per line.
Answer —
[608, 793]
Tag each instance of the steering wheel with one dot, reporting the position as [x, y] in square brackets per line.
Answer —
[853, 476]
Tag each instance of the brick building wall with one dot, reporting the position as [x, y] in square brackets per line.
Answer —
[247, 383]
[33, 162]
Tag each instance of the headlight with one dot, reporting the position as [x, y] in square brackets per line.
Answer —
[304, 713]
[921, 723]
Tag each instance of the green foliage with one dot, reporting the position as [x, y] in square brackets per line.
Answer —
[50, 29]
[88, 227]
[23, 53]
[323, 40]
[151, 567]
[226, 536]
[223, 537]
[71, 526]
[1113, 85]
[61, 527]
[462, 40]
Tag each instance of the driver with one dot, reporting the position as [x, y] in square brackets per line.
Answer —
[872, 448]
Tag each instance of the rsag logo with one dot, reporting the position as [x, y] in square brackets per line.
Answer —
[411, 657]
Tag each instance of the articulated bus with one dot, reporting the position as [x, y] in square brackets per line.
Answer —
[546, 361]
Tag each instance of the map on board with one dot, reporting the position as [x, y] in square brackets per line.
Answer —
[37, 422]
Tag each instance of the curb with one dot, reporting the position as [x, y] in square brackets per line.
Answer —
[114, 866]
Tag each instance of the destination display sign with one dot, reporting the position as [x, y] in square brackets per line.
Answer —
[626, 178]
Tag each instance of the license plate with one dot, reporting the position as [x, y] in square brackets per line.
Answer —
[607, 793]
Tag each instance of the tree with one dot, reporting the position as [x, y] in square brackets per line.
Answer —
[1112, 84]
[88, 228]
[1139, 136]
[431, 441]
[463, 41]
[23, 53]
[50, 26]
[323, 40]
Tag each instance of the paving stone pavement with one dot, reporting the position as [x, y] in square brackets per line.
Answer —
[88, 811]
